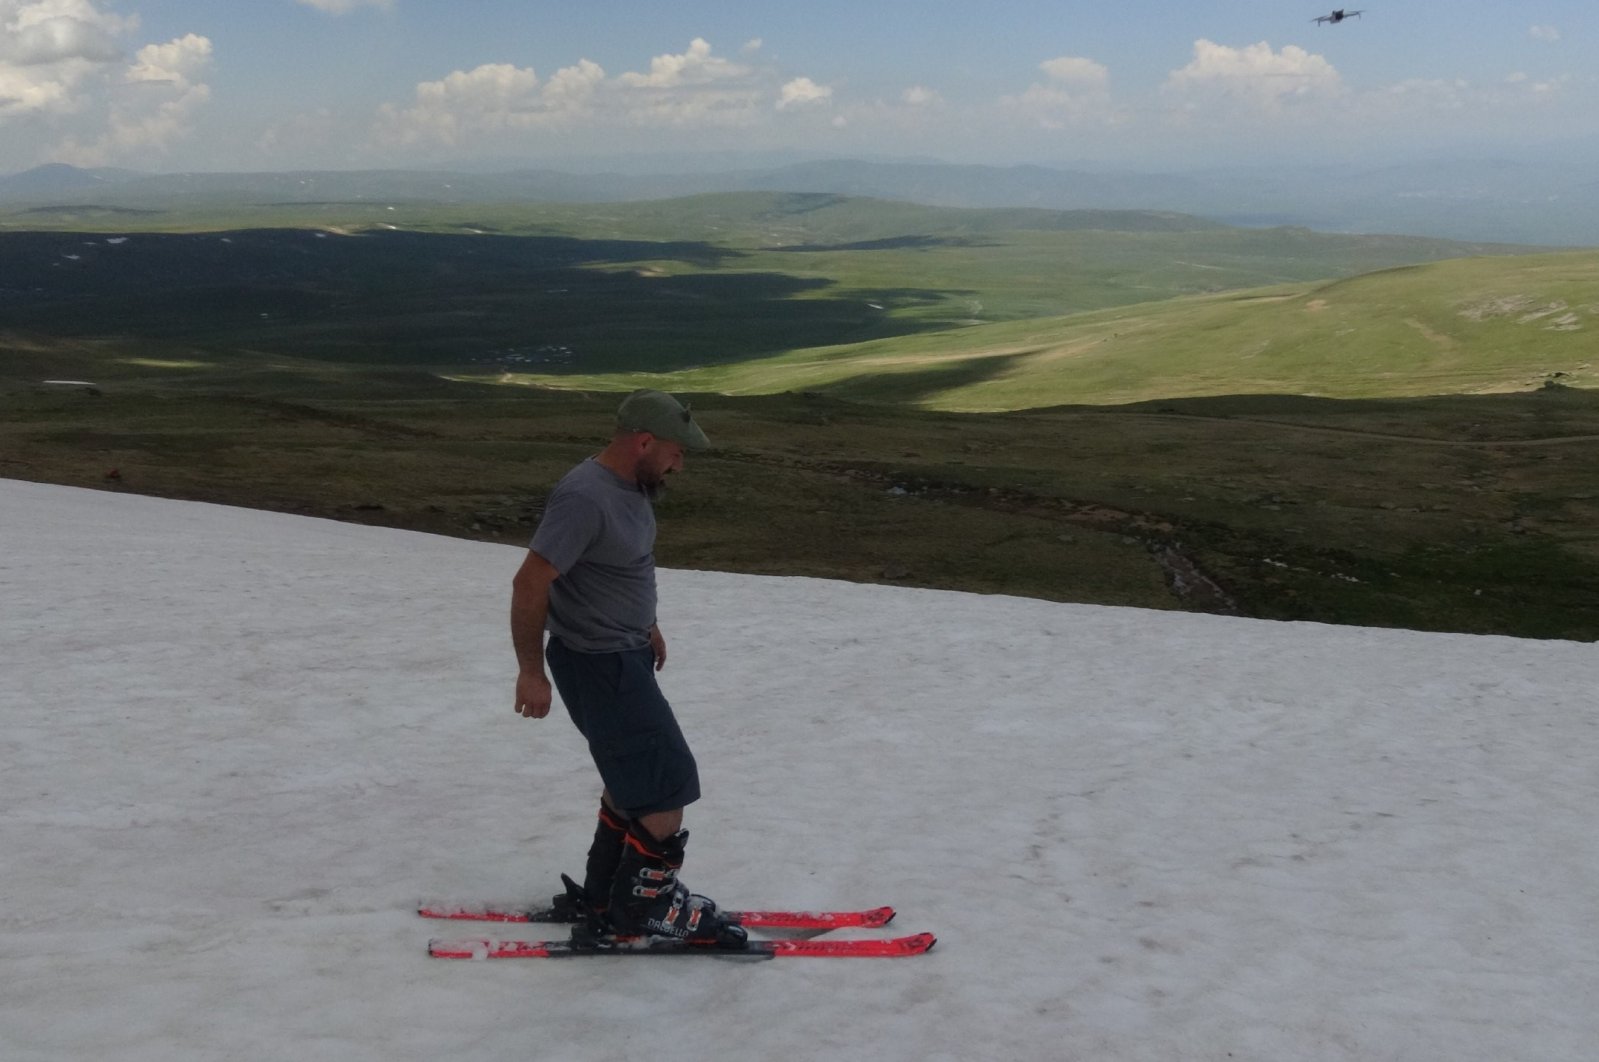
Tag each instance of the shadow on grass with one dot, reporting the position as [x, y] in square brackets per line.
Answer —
[529, 303]
[893, 243]
[914, 387]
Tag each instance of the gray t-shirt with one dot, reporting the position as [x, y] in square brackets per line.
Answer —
[598, 530]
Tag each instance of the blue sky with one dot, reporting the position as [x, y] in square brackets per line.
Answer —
[1168, 84]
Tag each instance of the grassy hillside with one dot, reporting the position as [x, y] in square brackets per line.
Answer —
[1473, 513]
[655, 287]
[1459, 327]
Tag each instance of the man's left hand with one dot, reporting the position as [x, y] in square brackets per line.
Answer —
[658, 647]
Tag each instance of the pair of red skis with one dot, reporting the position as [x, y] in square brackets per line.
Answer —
[805, 921]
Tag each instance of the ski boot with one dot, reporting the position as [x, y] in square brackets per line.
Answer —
[648, 900]
[575, 904]
[605, 853]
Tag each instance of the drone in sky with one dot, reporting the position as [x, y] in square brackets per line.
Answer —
[1336, 17]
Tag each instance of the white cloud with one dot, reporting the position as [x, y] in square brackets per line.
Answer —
[488, 98]
[53, 54]
[1075, 92]
[1075, 71]
[20, 94]
[573, 87]
[801, 92]
[1254, 77]
[21, 16]
[344, 7]
[752, 46]
[62, 67]
[1544, 33]
[493, 86]
[697, 66]
[695, 88]
[1419, 111]
[691, 89]
[163, 92]
[920, 96]
[58, 38]
[1422, 100]
[178, 62]
[1257, 98]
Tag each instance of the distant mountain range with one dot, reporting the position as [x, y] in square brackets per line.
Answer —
[1505, 201]
[58, 180]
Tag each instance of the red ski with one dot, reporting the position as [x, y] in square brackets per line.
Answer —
[875, 918]
[894, 947]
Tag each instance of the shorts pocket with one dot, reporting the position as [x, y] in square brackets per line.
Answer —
[633, 768]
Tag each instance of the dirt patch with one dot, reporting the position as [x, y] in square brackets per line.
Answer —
[1436, 338]
[1536, 315]
[1499, 306]
[1526, 309]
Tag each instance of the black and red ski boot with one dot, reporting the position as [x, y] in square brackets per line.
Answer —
[599, 872]
[647, 899]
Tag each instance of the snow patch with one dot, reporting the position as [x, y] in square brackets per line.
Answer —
[239, 745]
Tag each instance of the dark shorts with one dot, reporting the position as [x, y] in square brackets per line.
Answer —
[632, 734]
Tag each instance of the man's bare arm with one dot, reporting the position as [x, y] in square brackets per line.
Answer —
[530, 604]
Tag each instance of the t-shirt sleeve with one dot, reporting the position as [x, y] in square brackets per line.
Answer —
[570, 525]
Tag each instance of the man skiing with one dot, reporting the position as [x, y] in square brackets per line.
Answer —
[589, 578]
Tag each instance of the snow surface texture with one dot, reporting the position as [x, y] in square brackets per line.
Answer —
[238, 747]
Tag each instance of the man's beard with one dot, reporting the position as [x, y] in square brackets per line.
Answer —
[653, 484]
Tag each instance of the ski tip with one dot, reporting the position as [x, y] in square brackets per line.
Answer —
[435, 910]
[459, 949]
[442, 910]
[881, 948]
[878, 917]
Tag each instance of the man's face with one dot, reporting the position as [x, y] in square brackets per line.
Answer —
[660, 459]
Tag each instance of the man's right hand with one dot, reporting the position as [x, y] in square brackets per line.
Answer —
[532, 694]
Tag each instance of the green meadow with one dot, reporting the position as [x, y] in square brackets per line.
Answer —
[1132, 408]
[1467, 326]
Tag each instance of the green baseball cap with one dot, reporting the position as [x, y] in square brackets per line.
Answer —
[663, 417]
